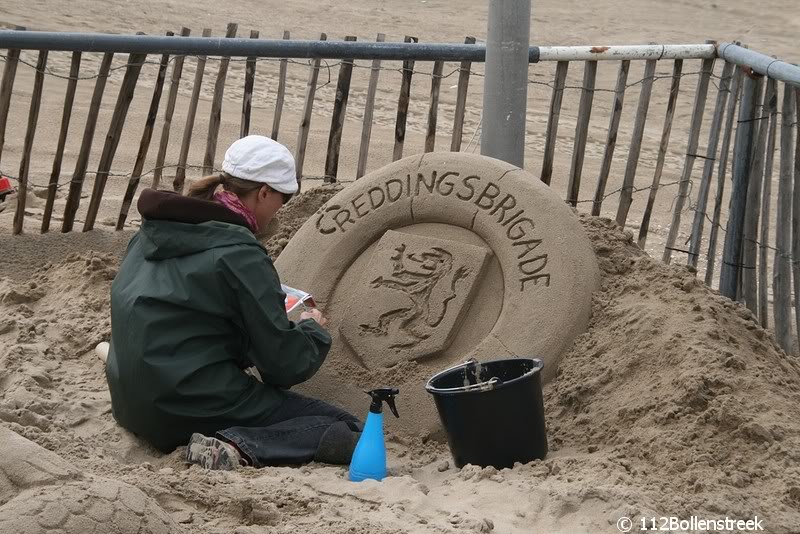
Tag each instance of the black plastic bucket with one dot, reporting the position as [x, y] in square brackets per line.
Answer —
[492, 412]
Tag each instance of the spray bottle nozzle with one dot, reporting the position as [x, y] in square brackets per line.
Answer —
[381, 395]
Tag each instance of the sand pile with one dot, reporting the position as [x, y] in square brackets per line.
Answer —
[675, 402]
[679, 392]
[292, 216]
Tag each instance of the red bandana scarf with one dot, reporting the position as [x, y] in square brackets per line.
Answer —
[233, 203]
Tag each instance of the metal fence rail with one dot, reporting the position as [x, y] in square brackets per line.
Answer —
[239, 47]
[761, 63]
[302, 49]
[626, 52]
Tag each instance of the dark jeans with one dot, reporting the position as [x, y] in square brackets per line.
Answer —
[294, 432]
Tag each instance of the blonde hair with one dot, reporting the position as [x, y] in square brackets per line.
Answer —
[205, 187]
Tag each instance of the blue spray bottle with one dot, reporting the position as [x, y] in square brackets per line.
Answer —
[369, 458]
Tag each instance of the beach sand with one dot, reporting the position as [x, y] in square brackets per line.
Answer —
[674, 403]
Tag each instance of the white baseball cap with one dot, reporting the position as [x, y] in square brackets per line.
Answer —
[260, 159]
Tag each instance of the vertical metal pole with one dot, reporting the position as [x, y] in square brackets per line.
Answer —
[505, 90]
[742, 152]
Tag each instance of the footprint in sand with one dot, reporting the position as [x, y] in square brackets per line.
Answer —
[41, 493]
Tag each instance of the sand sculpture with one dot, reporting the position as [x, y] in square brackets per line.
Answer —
[435, 259]
[40, 492]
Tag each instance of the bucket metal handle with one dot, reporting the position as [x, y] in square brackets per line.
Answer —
[465, 362]
[482, 386]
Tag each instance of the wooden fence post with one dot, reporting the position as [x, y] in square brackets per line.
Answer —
[177, 71]
[247, 98]
[369, 108]
[581, 131]
[626, 195]
[78, 177]
[69, 99]
[706, 69]
[135, 62]
[180, 172]
[782, 271]
[552, 121]
[144, 144]
[666, 131]
[722, 170]
[461, 101]
[216, 107]
[30, 133]
[611, 140]
[433, 110]
[6, 90]
[753, 211]
[402, 105]
[742, 153]
[796, 211]
[276, 119]
[763, 286]
[338, 117]
[708, 167]
[305, 124]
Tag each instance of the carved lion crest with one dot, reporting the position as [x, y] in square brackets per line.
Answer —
[415, 292]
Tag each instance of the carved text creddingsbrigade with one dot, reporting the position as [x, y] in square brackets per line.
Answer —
[486, 195]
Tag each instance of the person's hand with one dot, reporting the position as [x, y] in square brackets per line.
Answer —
[314, 314]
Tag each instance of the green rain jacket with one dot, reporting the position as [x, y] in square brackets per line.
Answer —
[196, 301]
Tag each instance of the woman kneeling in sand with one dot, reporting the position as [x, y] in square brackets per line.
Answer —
[196, 302]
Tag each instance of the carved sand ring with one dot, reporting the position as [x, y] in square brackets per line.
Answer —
[434, 259]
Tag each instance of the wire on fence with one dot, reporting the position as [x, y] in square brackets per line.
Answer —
[307, 63]
[472, 144]
[110, 174]
[329, 66]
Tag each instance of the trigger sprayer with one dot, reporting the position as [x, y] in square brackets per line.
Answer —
[369, 458]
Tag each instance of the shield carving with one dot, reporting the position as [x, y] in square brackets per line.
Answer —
[414, 293]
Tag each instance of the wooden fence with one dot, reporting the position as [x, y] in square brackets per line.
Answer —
[707, 132]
